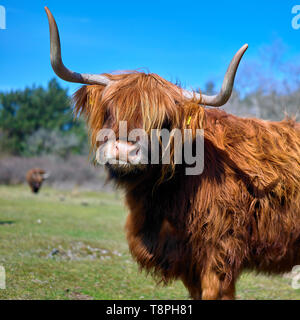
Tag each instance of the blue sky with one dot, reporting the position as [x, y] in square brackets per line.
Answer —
[192, 41]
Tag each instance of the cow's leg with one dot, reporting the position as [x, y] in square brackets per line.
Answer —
[228, 291]
[193, 288]
[195, 293]
[213, 288]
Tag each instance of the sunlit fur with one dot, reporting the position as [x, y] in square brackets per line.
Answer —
[243, 212]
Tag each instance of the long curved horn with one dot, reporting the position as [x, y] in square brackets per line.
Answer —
[223, 96]
[57, 64]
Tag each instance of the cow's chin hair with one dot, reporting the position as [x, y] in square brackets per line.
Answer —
[125, 171]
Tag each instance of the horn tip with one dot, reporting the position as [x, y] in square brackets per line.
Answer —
[48, 11]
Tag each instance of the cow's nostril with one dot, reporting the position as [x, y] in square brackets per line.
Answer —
[138, 151]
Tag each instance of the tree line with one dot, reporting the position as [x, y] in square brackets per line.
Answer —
[38, 121]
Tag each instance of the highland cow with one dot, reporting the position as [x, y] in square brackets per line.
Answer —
[242, 212]
[35, 179]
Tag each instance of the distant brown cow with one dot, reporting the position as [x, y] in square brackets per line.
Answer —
[35, 178]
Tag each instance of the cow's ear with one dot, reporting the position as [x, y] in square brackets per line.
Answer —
[80, 99]
[87, 99]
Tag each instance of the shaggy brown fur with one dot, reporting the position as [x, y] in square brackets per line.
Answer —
[35, 179]
[242, 212]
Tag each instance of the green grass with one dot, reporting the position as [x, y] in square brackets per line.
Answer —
[92, 259]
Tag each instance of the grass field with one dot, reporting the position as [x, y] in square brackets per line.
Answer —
[71, 245]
